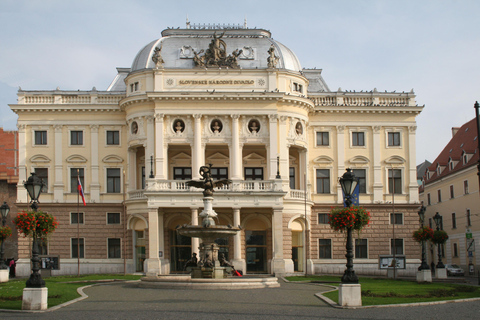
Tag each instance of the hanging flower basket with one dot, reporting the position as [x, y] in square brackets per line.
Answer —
[423, 234]
[355, 218]
[5, 232]
[35, 224]
[439, 237]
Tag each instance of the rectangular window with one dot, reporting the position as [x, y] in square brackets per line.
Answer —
[253, 173]
[324, 248]
[396, 219]
[394, 139]
[40, 137]
[76, 248]
[76, 138]
[396, 246]
[465, 187]
[323, 181]
[73, 179]
[395, 181]
[452, 193]
[439, 195]
[76, 217]
[358, 139]
[429, 201]
[323, 139]
[113, 137]
[113, 180]
[455, 250]
[469, 218]
[323, 218]
[113, 218]
[42, 173]
[219, 173]
[182, 173]
[114, 249]
[361, 174]
[291, 176]
[361, 249]
[454, 221]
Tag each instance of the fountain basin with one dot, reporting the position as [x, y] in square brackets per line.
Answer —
[208, 233]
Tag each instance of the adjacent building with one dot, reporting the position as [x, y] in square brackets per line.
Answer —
[450, 187]
[235, 98]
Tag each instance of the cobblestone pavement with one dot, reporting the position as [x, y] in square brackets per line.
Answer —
[290, 301]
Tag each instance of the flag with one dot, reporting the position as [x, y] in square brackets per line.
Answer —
[355, 197]
[80, 190]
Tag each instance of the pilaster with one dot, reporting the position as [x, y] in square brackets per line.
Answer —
[153, 267]
[58, 185]
[377, 166]
[94, 188]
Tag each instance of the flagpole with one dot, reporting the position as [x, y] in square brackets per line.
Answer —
[124, 229]
[78, 224]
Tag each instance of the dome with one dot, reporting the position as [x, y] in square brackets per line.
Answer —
[179, 45]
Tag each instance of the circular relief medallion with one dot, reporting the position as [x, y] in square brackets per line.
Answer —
[170, 82]
[299, 128]
[216, 126]
[134, 127]
[254, 126]
[178, 126]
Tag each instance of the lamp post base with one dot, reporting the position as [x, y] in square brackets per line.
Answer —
[350, 295]
[3, 275]
[441, 273]
[424, 275]
[35, 299]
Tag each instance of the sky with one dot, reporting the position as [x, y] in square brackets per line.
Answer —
[432, 47]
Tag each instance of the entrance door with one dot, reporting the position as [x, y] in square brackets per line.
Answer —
[256, 248]
[180, 251]
[139, 250]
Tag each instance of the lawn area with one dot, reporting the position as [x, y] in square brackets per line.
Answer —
[378, 291]
[60, 289]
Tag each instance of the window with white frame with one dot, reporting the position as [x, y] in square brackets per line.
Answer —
[361, 175]
[76, 138]
[323, 218]
[325, 248]
[394, 139]
[323, 138]
[323, 181]
[74, 173]
[40, 137]
[395, 181]
[114, 248]
[42, 173]
[396, 218]
[358, 139]
[77, 247]
[113, 218]
[113, 180]
[396, 246]
[113, 137]
[76, 217]
[454, 221]
[361, 248]
[465, 187]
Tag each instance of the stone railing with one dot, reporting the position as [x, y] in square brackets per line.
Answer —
[136, 194]
[88, 98]
[363, 99]
[298, 194]
[236, 186]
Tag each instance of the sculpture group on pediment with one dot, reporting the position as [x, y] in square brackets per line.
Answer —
[216, 55]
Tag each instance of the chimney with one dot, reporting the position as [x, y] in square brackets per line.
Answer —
[454, 131]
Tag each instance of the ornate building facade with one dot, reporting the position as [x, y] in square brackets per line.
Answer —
[237, 99]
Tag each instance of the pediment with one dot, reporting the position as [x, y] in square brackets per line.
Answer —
[359, 160]
[395, 160]
[323, 159]
[181, 156]
[76, 158]
[218, 156]
[253, 156]
[112, 158]
[39, 158]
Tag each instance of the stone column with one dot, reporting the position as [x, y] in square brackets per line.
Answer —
[160, 152]
[94, 188]
[279, 263]
[412, 169]
[153, 266]
[22, 169]
[197, 156]
[273, 146]
[195, 241]
[237, 261]
[283, 148]
[58, 186]
[164, 269]
[132, 169]
[377, 165]
[150, 146]
[235, 150]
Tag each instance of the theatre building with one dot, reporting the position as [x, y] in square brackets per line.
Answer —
[235, 98]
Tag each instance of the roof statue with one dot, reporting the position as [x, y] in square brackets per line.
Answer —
[272, 58]
[157, 57]
[216, 54]
[207, 183]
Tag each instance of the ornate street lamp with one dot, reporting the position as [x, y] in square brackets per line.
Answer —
[348, 182]
[34, 187]
[151, 176]
[424, 265]
[4, 209]
[438, 220]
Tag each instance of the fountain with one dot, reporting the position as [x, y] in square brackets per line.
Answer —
[209, 265]
[210, 271]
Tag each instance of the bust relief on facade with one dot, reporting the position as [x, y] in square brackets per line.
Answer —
[178, 126]
[253, 126]
[216, 126]
[134, 127]
[299, 128]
